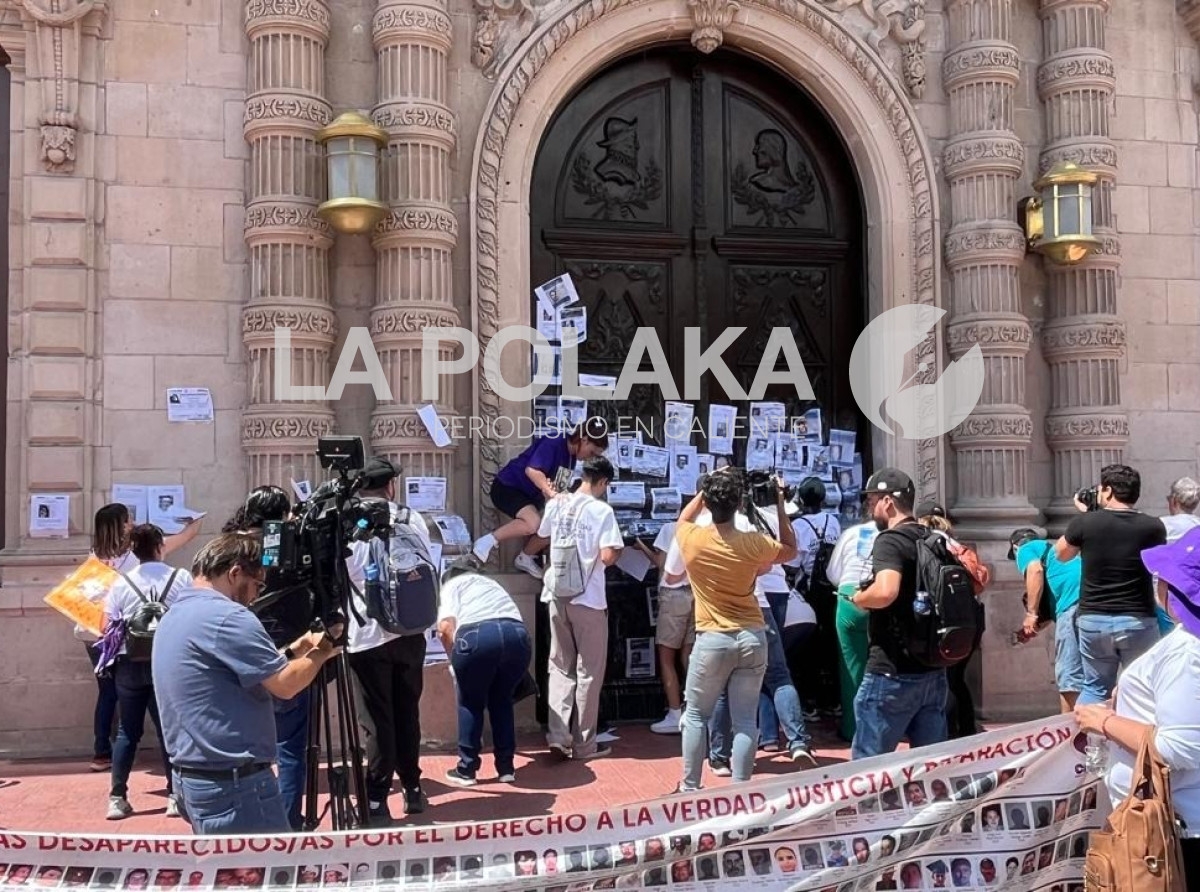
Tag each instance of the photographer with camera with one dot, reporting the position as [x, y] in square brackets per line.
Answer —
[1116, 617]
[215, 670]
[284, 620]
[390, 668]
[730, 654]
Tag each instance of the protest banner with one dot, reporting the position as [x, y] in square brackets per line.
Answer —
[79, 597]
[1009, 808]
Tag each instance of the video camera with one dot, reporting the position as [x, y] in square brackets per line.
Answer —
[1089, 497]
[306, 553]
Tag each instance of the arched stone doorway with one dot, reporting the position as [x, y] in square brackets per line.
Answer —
[851, 83]
[687, 190]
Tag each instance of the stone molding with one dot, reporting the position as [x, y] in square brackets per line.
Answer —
[503, 26]
[272, 221]
[391, 320]
[978, 153]
[1080, 338]
[993, 333]
[1070, 71]
[310, 17]
[493, 301]
[1189, 11]
[403, 223]
[1084, 432]
[271, 111]
[976, 245]
[59, 28]
[1015, 427]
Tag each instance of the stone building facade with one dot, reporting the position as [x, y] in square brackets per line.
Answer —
[165, 175]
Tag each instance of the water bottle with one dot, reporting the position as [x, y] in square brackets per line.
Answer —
[372, 572]
[922, 605]
[1095, 755]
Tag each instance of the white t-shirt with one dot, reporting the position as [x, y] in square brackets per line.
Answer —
[472, 598]
[774, 581]
[1162, 688]
[597, 529]
[1178, 525]
[370, 635]
[674, 562]
[151, 579]
[851, 561]
[122, 564]
[807, 538]
[663, 542]
[799, 611]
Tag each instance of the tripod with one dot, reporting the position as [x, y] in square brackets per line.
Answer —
[344, 772]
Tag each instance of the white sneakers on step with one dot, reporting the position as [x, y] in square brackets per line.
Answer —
[670, 724]
[529, 564]
[482, 549]
[483, 546]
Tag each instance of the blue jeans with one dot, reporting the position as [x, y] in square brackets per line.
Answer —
[135, 697]
[291, 753]
[489, 659]
[1068, 664]
[233, 806]
[1107, 644]
[778, 702]
[732, 663]
[888, 707]
[106, 709]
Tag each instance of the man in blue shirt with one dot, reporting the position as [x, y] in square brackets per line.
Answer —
[1036, 561]
[215, 670]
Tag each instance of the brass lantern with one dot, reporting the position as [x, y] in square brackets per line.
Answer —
[352, 145]
[1058, 220]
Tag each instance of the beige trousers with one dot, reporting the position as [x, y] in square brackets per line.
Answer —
[578, 657]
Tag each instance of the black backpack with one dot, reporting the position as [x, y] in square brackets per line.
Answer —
[402, 585]
[948, 632]
[817, 584]
[139, 632]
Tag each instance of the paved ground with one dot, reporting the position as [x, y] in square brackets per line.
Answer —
[66, 797]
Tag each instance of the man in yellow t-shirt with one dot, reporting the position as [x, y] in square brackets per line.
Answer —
[730, 654]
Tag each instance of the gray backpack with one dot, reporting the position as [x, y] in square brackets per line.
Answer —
[568, 579]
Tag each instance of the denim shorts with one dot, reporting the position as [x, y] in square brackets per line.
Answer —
[1068, 663]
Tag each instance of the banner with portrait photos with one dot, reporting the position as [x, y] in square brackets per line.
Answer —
[1009, 808]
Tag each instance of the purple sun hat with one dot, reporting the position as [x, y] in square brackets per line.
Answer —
[1178, 565]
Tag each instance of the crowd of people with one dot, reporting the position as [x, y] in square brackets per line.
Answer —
[755, 583]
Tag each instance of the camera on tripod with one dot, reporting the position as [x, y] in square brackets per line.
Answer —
[308, 550]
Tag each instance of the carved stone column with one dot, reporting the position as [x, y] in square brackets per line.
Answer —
[984, 251]
[1084, 339]
[289, 245]
[54, 354]
[414, 242]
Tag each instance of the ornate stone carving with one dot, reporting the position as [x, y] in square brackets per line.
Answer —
[983, 152]
[1079, 337]
[970, 244]
[961, 337]
[285, 427]
[387, 320]
[58, 35]
[986, 427]
[258, 320]
[712, 17]
[1076, 429]
[411, 18]
[303, 109]
[1094, 69]
[835, 35]
[1090, 155]
[405, 426]
[306, 10]
[434, 220]
[501, 26]
[282, 216]
[975, 61]
[904, 20]
[412, 114]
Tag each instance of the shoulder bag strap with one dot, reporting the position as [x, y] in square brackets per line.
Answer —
[137, 591]
[170, 582]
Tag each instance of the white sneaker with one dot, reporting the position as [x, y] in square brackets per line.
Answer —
[607, 737]
[483, 546]
[118, 808]
[529, 564]
[172, 807]
[670, 724]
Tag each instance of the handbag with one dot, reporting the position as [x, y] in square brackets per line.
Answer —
[1139, 850]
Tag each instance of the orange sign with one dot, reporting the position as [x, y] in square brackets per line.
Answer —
[80, 597]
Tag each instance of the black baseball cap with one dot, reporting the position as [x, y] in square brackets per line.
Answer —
[1020, 537]
[931, 509]
[377, 472]
[890, 482]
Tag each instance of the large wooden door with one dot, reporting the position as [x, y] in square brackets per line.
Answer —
[686, 190]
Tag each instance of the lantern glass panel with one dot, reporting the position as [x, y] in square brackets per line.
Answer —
[364, 170]
[1085, 203]
[1067, 216]
[1049, 212]
[339, 168]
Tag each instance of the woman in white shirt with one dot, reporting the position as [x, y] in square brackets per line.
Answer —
[849, 566]
[150, 580]
[489, 647]
[110, 543]
[1159, 694]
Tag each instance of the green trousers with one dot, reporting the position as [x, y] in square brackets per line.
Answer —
[852, 648]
